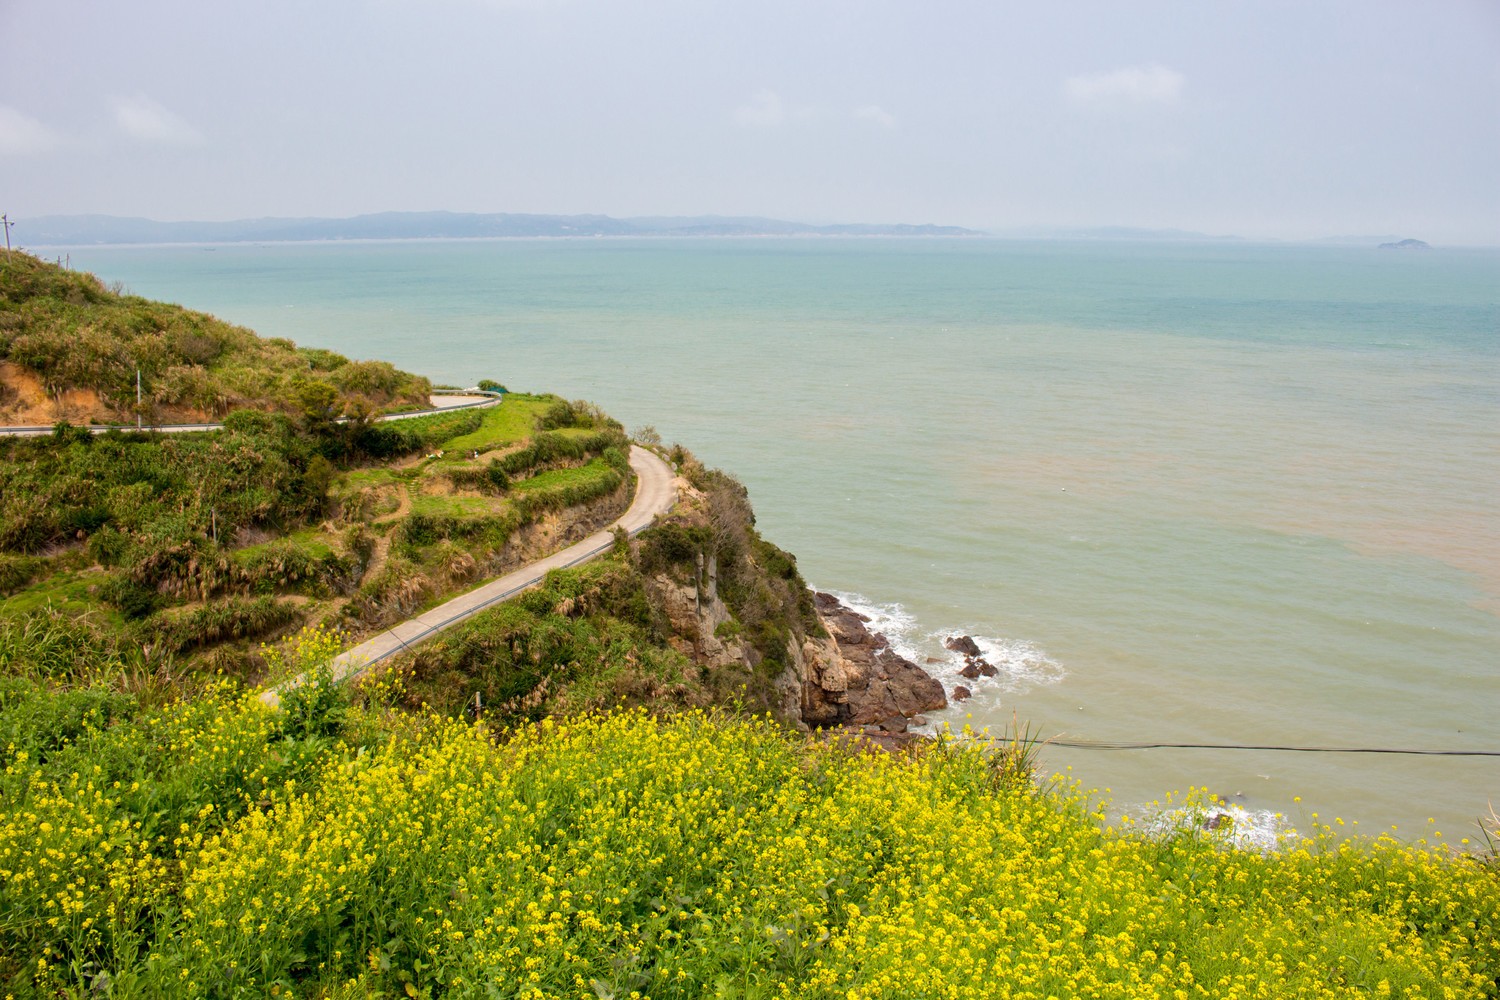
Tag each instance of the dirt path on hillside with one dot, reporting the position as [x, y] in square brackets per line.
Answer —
[381, 553]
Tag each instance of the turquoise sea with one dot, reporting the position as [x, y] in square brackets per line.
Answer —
[1223, 493]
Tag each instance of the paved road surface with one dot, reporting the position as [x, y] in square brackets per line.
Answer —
[654, 495]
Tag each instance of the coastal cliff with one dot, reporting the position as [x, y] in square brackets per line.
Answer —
[828, 668]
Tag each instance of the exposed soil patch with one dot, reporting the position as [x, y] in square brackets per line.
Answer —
[24, 400]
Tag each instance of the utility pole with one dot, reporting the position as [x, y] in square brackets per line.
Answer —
[6, 219]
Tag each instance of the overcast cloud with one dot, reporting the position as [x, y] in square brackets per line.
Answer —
[1265, 118]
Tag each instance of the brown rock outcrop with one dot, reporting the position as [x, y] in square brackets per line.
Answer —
[964, 644]
[854, 677]
[696, 611]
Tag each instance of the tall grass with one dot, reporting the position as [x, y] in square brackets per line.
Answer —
[51, 643]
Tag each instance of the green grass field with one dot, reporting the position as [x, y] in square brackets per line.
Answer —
[508, 424]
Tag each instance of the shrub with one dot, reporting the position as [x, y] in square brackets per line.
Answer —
[17, 571]
[571, 488]
[133, 599]
[289, 564]
[38, 719]
[672, 545]
[403, 437]
[217, 621]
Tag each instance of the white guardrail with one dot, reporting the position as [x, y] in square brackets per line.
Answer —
[492, 398]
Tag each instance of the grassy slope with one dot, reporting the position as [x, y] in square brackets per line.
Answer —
[73, 337]
[172, 553]
[126, 538]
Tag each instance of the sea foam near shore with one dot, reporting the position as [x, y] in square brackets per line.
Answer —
[1246, 829]
[1021, 665]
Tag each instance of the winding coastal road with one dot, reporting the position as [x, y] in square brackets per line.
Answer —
[654, 495]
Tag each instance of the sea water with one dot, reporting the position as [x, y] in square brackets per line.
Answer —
[1182, 493]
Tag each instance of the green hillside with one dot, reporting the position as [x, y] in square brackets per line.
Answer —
[159, 560]
[70, 349]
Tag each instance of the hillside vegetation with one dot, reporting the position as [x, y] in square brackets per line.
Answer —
[216, 848]
[170, 551]
[176, 555]
[70, 349]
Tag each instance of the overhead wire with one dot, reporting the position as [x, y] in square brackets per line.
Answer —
[1124, 745]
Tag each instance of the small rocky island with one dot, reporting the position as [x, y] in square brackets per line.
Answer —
[1406, 245]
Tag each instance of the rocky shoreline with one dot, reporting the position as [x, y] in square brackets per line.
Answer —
[855, 679]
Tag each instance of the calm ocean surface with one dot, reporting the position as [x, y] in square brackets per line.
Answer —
[1184, 493]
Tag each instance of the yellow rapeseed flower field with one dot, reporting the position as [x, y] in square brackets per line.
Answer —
[620, 855]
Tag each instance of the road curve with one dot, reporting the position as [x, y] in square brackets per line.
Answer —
[654, 495]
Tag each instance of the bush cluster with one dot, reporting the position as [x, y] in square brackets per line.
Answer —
[587, 638]
[216, 621]
[153, 493]
[574, 487]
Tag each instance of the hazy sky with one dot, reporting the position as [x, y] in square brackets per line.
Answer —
[1266, 119]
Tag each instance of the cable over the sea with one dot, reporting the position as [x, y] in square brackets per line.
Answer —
[1112, 745]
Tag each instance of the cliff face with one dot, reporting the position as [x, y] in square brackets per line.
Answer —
[840, 674]
[854, 677]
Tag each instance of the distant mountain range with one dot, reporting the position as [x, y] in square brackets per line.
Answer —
[80, 230]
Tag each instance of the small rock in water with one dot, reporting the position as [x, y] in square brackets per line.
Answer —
[919, 720]
[970, 670]
[964, 644]
[985, 669]
[961, 693]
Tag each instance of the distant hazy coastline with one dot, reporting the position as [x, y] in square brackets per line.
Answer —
[111, 230]
[84, 230]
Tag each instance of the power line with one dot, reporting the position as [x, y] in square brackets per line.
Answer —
[1116, 745]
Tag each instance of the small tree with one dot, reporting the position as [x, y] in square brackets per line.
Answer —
[316, 406]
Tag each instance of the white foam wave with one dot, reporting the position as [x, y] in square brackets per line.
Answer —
[891, 620]
[1246, 829]
[1020, 665]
